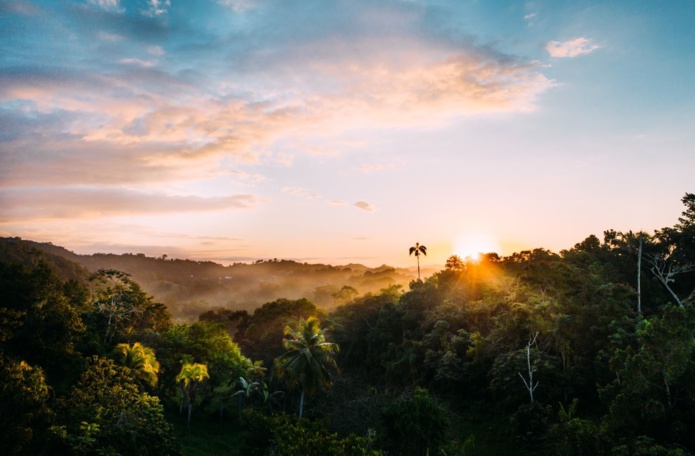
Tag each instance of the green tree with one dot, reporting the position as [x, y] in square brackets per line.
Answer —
[418, 249]
[414, 425]
[455, 263]
[307, 358]
[125, 309]
[106, 413]
[140, 360]
[39, 321]
[191, 377]
[24, 412]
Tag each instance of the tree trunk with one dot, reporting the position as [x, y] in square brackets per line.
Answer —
[190, 407]
[530, 386]
[418, 267]
[301, 404]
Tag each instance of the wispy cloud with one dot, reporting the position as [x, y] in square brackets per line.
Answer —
[157, 7]
[108, 5]
[376, 166]
[140, 62]
[71, 203]
[571, 48]
[301, 192]
[112, 37]
[238, 5]
[162, 121]
[365, 206]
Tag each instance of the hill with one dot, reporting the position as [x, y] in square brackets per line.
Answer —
[189, 288]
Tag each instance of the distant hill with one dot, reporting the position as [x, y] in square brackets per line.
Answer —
[27, 253]
[189, 288]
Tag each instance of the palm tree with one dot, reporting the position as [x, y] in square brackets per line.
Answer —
[140, 360]
[191, 376]
[247, 390]
[307, 359]
[417, 250]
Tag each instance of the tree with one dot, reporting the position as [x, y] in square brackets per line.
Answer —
[124, 307]
[191, 376]
[107, 414]
[24, 411]
[417, 250]
[414, 425]
[140, 360]
[307, 358]
[454, 263]
[530, 385]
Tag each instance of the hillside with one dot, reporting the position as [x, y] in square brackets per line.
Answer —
[189, 288]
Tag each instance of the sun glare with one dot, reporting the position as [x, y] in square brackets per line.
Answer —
[470, 246]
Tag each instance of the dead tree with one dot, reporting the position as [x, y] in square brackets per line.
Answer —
[665, 272]
[530, 386]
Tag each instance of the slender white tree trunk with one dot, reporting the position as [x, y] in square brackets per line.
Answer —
[530, 386]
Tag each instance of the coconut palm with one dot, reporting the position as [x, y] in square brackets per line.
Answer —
[140, 360]
[191, 376]
[307, 359]
[417, 250]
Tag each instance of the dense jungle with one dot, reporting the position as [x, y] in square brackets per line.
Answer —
[589, 351]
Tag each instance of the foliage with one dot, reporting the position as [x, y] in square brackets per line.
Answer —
[24, 411]
[106, 413]
[414, 425]
[192, 376]
[307, 358]
[125, 310]
[615, 326]
[283, 435]
[140, 360]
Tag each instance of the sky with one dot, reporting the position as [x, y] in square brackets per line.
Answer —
[342, 131]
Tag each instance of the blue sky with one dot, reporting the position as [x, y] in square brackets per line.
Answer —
[342, 131]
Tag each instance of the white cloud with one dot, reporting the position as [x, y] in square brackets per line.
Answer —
[301, 192]
[571, 48]
[108, 5]
[156, 51]
[112, 37]
[238, 6]
[139, 62]
[157, 7]
[365, 206]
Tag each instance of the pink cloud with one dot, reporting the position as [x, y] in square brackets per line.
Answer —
[71, 203]
[571, 48]
[365, 206]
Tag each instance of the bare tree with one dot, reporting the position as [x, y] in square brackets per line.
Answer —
[666, 270]
[530, 386]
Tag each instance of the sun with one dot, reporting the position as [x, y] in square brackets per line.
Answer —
[470, 246]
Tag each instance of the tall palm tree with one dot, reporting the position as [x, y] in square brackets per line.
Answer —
[140, 360]
[191, 376]
[307, 359]
[417, 250]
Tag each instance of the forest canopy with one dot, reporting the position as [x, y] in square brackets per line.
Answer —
[590, 350]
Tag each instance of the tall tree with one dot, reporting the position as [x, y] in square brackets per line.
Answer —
[418, 249]
[307, 358]
[191, 376]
